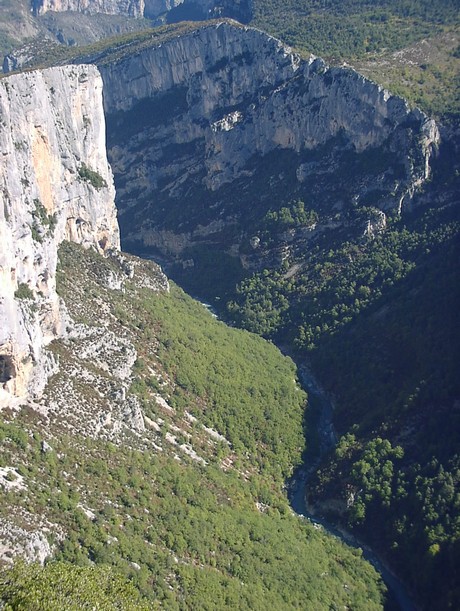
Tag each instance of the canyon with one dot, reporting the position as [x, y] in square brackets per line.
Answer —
[185, 119]
[230, 159]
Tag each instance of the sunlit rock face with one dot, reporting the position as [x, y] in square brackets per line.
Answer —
[55, 185]
[131, 8]
[194, 122]
[192, 9]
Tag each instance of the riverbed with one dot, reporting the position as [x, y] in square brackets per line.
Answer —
[399, 596]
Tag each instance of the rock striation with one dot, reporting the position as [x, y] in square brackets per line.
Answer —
[55, 185]
[216, 107]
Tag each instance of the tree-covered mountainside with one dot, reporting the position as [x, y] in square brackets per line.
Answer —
[62, 585]
[375, 314]
[351, 28]
[181, 492]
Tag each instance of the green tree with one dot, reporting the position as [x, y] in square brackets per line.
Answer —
[60, 585]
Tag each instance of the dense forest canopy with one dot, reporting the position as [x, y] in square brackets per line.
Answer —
[351, 28]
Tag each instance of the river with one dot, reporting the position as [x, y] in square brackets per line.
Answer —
[399, 597]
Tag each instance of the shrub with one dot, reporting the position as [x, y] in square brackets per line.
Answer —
[91, 176]
[23, 292]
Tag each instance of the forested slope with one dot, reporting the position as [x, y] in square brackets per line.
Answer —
[176, 482]
[376, 315]
[354, 27]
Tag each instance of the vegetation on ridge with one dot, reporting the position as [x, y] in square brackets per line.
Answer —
[375, 314]
[409, 46]
[352, 28]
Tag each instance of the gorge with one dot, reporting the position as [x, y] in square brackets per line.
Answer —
[251, 173]
[86, 381]
[214, 103]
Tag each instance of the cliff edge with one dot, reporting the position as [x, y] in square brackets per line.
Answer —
[228, 105]
[55, 185]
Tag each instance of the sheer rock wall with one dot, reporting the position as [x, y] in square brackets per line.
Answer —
[55, 185]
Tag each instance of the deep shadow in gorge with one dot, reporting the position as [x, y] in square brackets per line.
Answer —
[203, 151]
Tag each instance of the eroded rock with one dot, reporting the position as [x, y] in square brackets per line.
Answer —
[55, 185]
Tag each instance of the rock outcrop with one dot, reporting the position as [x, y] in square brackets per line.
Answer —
[195, 9]
[131, 8]
[55, 185]
[227, 105]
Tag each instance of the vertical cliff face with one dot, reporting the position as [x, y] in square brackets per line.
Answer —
[216, 66]
[55, 184]
[131, 8]
[195, 9]
[228, 105]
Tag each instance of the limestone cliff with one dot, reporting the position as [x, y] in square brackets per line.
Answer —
[131, 8]
[192, 9]
[55, 185]
[228, 105]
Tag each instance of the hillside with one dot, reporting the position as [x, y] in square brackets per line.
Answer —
[125, 466]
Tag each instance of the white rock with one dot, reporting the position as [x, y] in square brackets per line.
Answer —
[37, 549]
[133, 416]
[51, 126]
[46, 448]
[242, 95]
